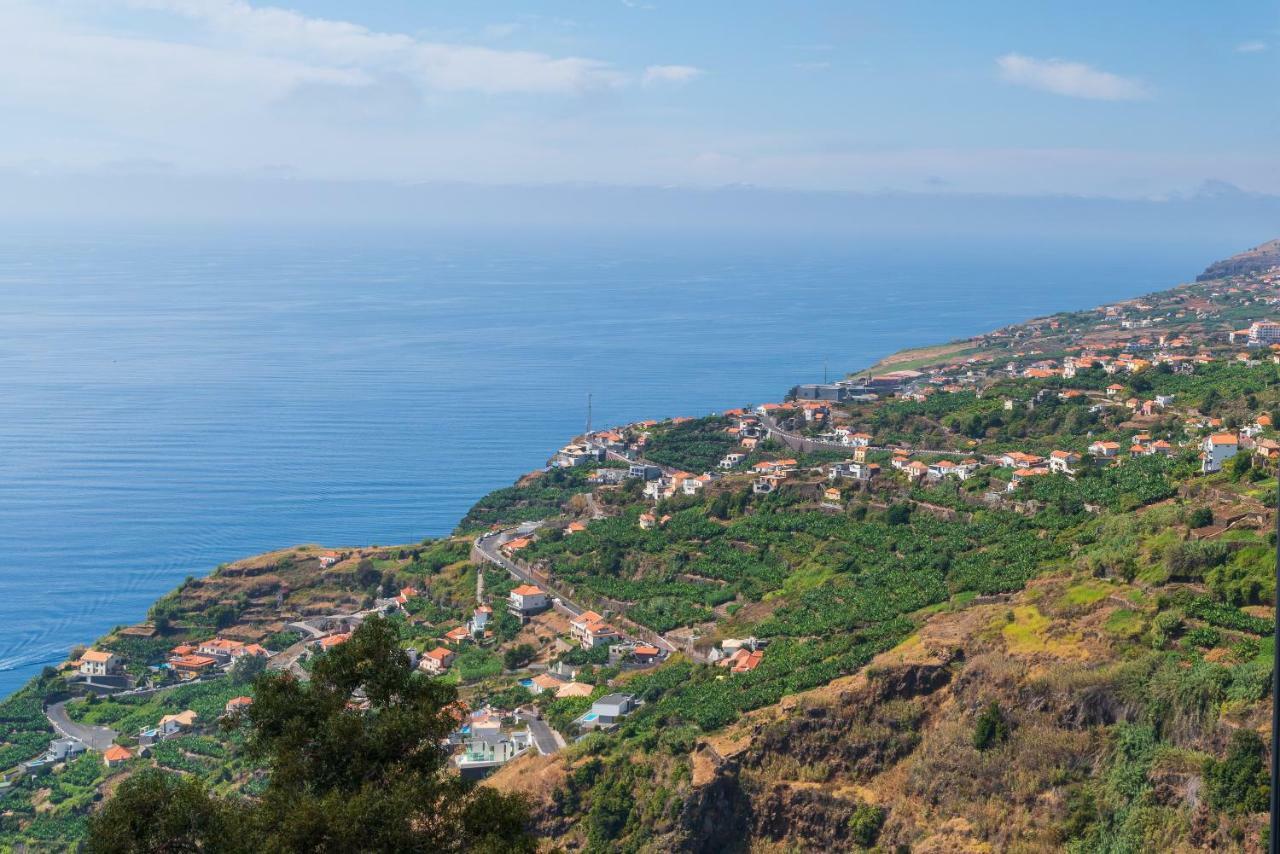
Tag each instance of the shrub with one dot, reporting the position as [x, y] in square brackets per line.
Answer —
[1239, 783]
[991, 729]
[865, 824]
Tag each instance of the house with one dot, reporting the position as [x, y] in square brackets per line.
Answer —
[692, 485]
[767, 483]
[1159, 446]
[599, 633]
[1105, 450]
[485, 752]
[732, 459]
[646, 654]
[406, 593]
[831, 497]
[59, 750]
[171, 725]
[192, 666]
[575, 527]
[436, 661]
[237, 704]
[1114, 389]
[527, 600]
[543, 682]
[1017, 459]
[219, 648]
[515, 545]
[578, 625]
[457, 635]
[1022, 475]
[335, 639]
[96, 662]
[328, 559]
[607, 711]
[644, 471]
[743, 660]
[574, 689]
[915, 469]
[479, 623]
[1216, 450]
[1064, 462]
[116, 756]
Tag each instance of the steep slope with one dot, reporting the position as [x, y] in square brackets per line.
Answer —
[1255, 260]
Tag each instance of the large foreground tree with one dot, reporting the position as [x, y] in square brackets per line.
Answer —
[355, 763]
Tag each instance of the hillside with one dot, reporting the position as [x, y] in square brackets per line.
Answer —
[1016, 597]
[1256, 260]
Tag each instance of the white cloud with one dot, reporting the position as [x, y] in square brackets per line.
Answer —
[270, 31]
[1073, 79]
[1251, 47]
[670, 74]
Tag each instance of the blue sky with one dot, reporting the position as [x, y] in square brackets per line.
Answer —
[1133, 99]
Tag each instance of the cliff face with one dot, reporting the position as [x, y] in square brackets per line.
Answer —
[897, 742]
[1254, 260]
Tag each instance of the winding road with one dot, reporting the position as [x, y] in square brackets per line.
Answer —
[97, 738]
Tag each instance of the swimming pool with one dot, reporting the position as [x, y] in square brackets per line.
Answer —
[589, 717]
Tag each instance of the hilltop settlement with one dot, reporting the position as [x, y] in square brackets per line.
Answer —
[1008, 593]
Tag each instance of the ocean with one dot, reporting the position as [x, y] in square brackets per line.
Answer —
[173, 399]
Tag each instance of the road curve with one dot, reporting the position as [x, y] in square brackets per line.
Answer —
[98, 738]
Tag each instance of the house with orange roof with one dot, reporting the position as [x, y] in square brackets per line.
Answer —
[1064, 462]
[236, 704]
[574, 689]
[526, 600]
[1216, 450]
[98, 662]
[436, 661]
[115, 756]
[543, 682]
[191, 666]
[575, 527]
[337, 639]
[328, 559]
[646, 653]
[1105, 450]
[220, 648]
[457, 635]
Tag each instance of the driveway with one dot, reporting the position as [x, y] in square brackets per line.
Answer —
[98, 738]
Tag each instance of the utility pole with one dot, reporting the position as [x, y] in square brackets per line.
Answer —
[588, 413]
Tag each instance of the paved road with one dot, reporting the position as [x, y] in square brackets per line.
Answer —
[544, 737]
[488, 548]
[806, 445]
[98, 738]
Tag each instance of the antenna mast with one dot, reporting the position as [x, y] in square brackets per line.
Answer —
[588, 412]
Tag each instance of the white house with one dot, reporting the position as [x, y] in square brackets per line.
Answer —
[1216, 450]
[608, 710]
[1064, 462]
[96, 662]
[527, 600]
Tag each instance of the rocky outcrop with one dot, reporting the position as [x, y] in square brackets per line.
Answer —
[1254, 260]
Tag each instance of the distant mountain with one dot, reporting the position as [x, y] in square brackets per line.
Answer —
[1250, 261]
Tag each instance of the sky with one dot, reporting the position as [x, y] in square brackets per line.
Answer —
[1133, 100]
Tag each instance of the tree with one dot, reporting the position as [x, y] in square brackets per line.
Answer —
[155, 811]
[991, 728]
[518, 656]
[355, 763]
[248, 668]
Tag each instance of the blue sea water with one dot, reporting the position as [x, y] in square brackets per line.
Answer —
[174, 399]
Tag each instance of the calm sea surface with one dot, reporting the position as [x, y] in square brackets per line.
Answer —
[170, 401]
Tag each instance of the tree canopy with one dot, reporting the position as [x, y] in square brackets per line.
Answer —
[355, 764]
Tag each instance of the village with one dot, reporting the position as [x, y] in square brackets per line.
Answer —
[546, 654]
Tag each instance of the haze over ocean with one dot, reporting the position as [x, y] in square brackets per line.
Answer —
[173, 400]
